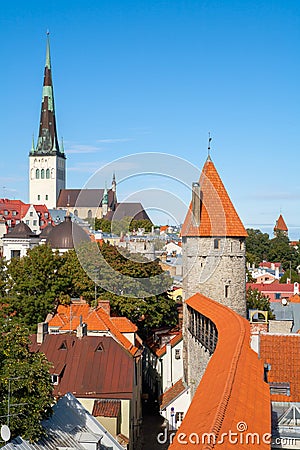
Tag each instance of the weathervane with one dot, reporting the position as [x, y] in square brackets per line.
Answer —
[208, 147]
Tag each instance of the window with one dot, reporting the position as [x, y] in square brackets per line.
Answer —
[46, 196]
[179, 417]
[42, 222]
[216, 244]
[31, 213]
[46, 215]
[35, 223]
[6, 213]
[43, 173]
[39, 197]
[177, 354]
[280, 388]
[15, 253]
[90, 214]
[14, 213]
[76, 212]
[226, 291]
[277, 296]
[242, 244]
[37, 173]
[54, 378]
[48, 173]
[27, 222]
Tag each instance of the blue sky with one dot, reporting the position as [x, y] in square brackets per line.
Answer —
[157, 76]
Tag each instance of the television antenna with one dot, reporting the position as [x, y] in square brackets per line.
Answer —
[5, 430]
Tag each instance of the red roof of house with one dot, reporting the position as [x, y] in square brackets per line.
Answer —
[218, 216]
[275, 286]
[269, 264]
[173, 392]
[282, 352]
[106, 408]
[67, 318]
[92, 367]
[232, 390]
[280, 224]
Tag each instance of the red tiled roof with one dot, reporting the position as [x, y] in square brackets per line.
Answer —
[218, 215]
[275, 286]
[280, 224]
[96, 320]
[172, 393]
[232, 389]
[94, 366]
[106, 408]
[282, 352]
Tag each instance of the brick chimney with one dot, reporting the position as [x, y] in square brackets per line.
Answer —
[41, 332]
[105, 305]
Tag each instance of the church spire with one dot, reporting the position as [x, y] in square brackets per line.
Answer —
[47, 140]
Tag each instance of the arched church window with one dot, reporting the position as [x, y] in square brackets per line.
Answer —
[90, 214]
[37, 173]
[48, 173]
[43, 173]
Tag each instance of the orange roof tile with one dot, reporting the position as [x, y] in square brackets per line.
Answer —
[172, 393]
[124, 325]
[280, 224]
[232, 390]
[295, 298]
[282, 352]
[218, 215]
[67, 318]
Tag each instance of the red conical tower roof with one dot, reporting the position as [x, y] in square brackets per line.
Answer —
[218, 216]
[280, 224]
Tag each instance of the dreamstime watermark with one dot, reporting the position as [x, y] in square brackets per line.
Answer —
[161, 183]
[240, 436]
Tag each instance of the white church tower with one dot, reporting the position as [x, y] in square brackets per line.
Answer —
[47, 161]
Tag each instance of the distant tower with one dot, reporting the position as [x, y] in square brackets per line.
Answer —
[280, 226]
[213, 244]
[47, 162]
[105, 202]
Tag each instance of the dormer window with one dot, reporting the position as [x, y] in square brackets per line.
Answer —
[55, 379]
[217, 244]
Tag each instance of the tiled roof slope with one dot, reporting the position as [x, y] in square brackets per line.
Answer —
[67, 317]
[175, 340]
[282, 352]
[172, 393]
[218, 216]
[106, 408]
[280, 224]
[232, 389]
[92, 367]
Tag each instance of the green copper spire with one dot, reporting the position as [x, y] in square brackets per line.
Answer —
[48, 60]
[32, 145]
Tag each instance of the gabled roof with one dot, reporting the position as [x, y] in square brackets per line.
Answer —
[282, 352]
[172, 393]
[218, 216]
[232, 389]
[275, 286]
[173, 342]
[94, 366]
[280, 224]
[67, 318]
[83, 198]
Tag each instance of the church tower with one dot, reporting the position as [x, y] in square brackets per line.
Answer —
[47, 161]
[213, 244]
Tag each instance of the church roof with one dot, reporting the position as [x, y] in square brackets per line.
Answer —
[134, 210]
[218, 216]
[280, 224]
[64, 235]
[83, 198]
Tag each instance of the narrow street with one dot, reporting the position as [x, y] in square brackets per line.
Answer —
[152, 427]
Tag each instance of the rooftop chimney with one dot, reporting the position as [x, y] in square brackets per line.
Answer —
[41, 332]
[81, 330]
[196, 206]
[105, 305]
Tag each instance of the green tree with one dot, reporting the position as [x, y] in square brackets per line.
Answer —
[292, 275]
[35, 284]
[25, 379]
[256, 300]
[257, 246]
[280, 250]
